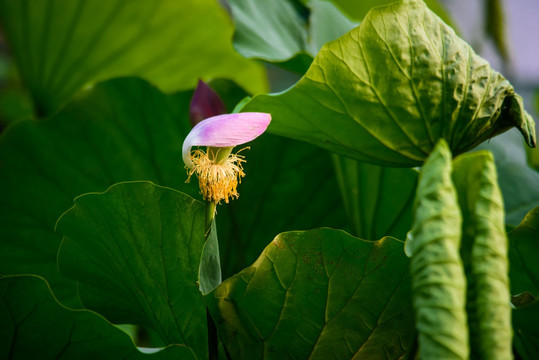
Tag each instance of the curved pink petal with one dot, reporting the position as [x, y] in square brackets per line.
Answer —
[225, 130]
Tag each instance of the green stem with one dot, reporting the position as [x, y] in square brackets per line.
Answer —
[213, 341]
[210, 215]
[219, 155]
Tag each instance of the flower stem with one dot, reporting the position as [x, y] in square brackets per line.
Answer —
[213, 341]
[210, 215]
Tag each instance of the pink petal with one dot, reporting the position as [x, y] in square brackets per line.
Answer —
[225, 130]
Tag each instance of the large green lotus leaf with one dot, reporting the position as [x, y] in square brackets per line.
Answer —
[525, 322]
[386, 91]
[438, 280]
[36, 326]
[289, 185]
[514, 175]
[62, 45]
[120, 130]
[523, 250]
[135, 252]
[484, 253]
[321, 294]
[378, 199]
[277, 30]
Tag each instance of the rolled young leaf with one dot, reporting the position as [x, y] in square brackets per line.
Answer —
[386, 91]
[484, 252]
[438, 281]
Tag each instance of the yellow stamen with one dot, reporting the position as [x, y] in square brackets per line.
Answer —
[217, 181]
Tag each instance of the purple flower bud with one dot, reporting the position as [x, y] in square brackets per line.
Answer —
[205, 104]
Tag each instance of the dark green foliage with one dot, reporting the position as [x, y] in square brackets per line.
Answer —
[101, 157]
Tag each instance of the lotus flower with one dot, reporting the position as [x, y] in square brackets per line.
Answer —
[218, 170]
